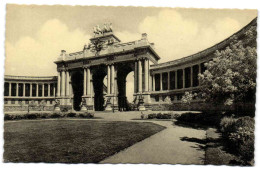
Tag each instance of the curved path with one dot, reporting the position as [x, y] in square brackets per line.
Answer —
[174, 145]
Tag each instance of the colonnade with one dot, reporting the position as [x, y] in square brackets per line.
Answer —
[177, 79]
[64, 86]
[34, 89]
[142, 78]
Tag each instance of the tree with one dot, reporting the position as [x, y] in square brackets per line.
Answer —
[187, 98]
[43, 104]
[231, 76]
[31, 104]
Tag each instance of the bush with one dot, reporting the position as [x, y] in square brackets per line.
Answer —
[55, 115]
[205, 118]
[30, 116]
[44, 115]
[9, 117]
[240, 136]
[227, 125]
[158, 116]
[86, 115]
[71, 114]
[151, 116]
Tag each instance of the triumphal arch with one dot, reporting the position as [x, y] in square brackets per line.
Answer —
[81, 74]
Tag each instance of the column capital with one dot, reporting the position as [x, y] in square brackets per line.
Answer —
[85, 67]
[110, 64]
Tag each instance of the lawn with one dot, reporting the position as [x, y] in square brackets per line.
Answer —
[71, 141]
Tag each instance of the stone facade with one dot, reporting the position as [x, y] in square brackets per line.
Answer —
[20, 90]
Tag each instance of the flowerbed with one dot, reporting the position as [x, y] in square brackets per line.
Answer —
[45, 115]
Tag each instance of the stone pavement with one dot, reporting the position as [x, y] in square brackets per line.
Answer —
[174, 145]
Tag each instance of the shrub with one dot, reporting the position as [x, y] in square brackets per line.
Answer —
[86, 115]
[44, 115]
[157, 116]
[243, 138]
[227, 125]
[240, 135]
[151, 116]
[30, 116]
[71, 114]
[9, 117]
[205, 118]
[55, 115]
[64, 109]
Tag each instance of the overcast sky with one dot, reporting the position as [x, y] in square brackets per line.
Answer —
[35, 35]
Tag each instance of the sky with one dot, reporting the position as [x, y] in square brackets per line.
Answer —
[36, 34]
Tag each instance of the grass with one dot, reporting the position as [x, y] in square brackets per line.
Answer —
[71, 141]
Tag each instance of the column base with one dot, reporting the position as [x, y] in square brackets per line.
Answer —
[57, 109]
[83, 108]
[141, 108]
[108, 107]
[89, 102]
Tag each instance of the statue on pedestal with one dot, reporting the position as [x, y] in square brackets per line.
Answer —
[141, 103]
[108, 104]
[83, 105]
[57, 105]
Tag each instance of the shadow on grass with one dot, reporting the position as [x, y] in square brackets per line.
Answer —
[200, 143]
[191, 125]
[152, 119]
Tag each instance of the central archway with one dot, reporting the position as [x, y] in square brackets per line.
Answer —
[123, 70]
[77, 87]
[99, 73]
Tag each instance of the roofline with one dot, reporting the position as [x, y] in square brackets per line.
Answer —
[13, 77]
[208, 50]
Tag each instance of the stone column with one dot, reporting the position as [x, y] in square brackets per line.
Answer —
[112, 79]
[67, 83]
[17, 89]
[23, 89]
[136, 77]
[108, 79]
[10, 88]
[58, 85]
[191, 76]
[176, 80]
[85, 82]
[183, 78]
[161, 88]
[146, 74]
[49, 90]
[63, 84]
[88, 81]
[43, 90]
[140, 81]
[150, 79]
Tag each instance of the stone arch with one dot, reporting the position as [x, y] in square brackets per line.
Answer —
[99, 73]
[77, 88]
[123, 70]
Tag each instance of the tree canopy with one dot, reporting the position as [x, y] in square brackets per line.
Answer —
[231, 76]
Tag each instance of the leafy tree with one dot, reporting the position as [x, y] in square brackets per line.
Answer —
[43, 104]
[187, 98]
[231, 76]
[31, 105]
